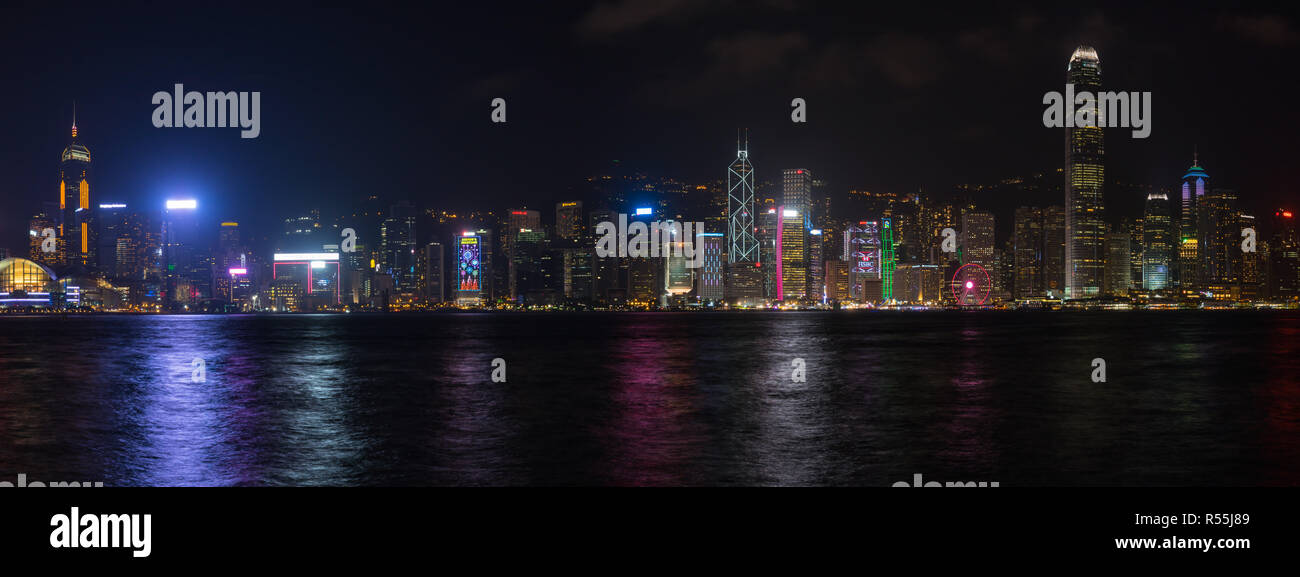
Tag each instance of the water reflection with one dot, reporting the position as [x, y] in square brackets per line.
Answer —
[1193, 398]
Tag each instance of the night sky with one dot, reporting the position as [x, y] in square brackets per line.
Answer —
[370, 98]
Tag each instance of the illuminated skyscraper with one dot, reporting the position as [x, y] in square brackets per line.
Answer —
[1119, 268]
[791, 255]
[433, 273]
[863, 253]
[397, 247]
[112, 222]
[1190, 256]
[709, 280]
[76, 221]
[977, 238]
[1054, 251]
[743, 247]
[887, 259]
[37, 239]
[768, 235]
[1220, 245]
[469, 270]
[1284, 257]
[797, 192]
[1084, 180]
[568, 220]
[1251, 272]
[1027, 258]
[1157, 242]
[816, 264]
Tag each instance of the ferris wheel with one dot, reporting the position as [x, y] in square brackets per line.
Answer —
[971, 285]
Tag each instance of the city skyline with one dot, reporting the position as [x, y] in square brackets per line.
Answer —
[550, 261]
[874, 124]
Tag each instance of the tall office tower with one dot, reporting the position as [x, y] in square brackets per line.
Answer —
[397, 247]
[863, 252]
[1119, 269]
[468, 282]
[1054, 251]
[940, 217]
[525, 219]
[1157, 242]
[816, 264]
[227, 257]
[1085, 176]
[1284, 257]
[182, 255]
[797, 192]
[1190, 259]
[128, 261]
[887, 259]
[767, 235]
[606, 282]
[36, 229]
[76, 220]
[1004, 264]
[111, 222]
[1221, 247]
[434, 273]
[568, 220]
[1136, 232]
[710, 280]
[518, 222]
[1027, 258]
[1250, 273]
[837, 280]
[678, 278]
[977, 238]
[909, 234]
[529, 274]
[490, 255]
[741, 215]
[579, 280]
[791, 255]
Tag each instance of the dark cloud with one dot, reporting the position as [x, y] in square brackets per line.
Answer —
[610, 18]
[1273, 31]
[906, 60]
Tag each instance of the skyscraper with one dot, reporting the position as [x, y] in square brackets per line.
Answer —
[816, 264]
[433, 274]
[1284, 257]
[862, 252]
[1084, 180]
[568, 220]
[1195, 183]
[1221, 244]
[977, 238]
[1054, 251]
[1028, 257]
[709, 280]
[1119, 267]
[743, 247]
[1250, 274]
[791, 255]
[397, 242]
[1157, 242]
[796, 192]
[76, 220]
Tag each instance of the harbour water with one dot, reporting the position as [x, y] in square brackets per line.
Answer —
[1201, 398]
